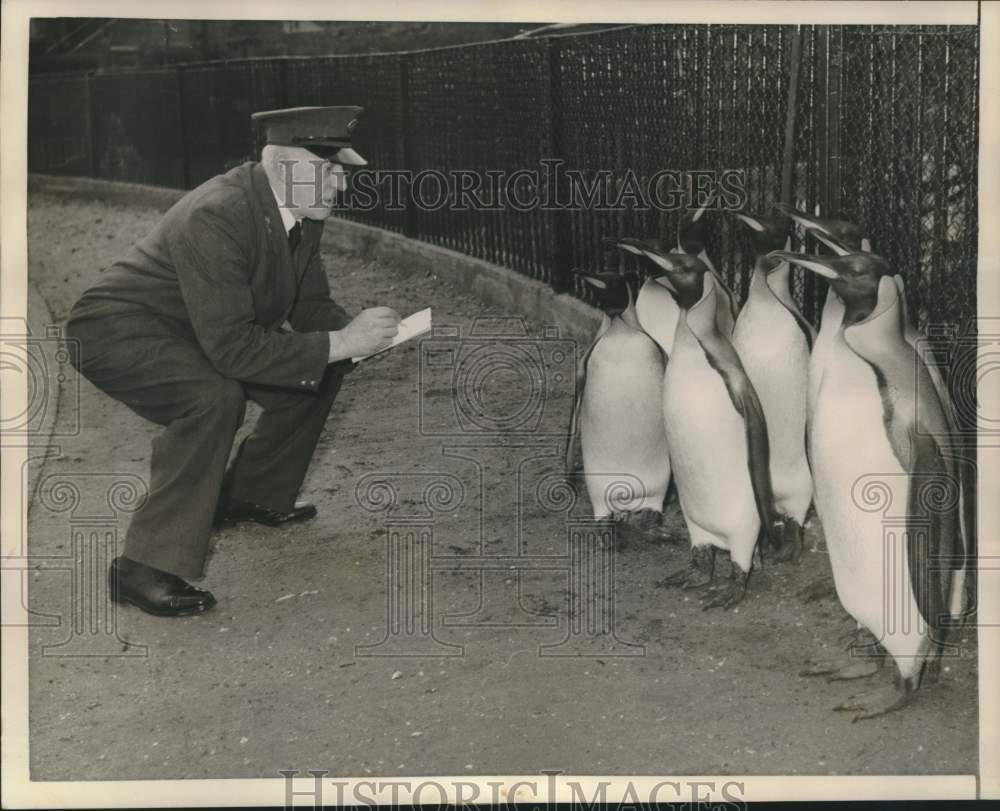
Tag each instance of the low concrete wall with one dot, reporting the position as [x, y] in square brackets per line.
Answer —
[512, 292]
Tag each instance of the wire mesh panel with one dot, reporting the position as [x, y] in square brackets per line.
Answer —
[217, 103]
[909, 116]
[372, 82]
[59, 138]
[474, 110]
[882, 128]
[639, 102]
[136, 127]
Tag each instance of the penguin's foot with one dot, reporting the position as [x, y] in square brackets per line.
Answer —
[731, 594]
[699, 571]
[822, 589]
[932, 670]
[858, 669]
[789, 535]
[876, 703]
[645, 520]
[660, 533]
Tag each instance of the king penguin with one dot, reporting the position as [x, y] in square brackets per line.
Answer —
[655, 307]
[840, 236]
[618, 412]
[773, 341]
[874, 448]
[717, 436]
[844, 238]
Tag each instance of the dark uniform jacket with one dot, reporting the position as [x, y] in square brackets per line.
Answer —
[218, 269]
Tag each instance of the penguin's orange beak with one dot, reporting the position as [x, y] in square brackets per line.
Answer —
[814, 263]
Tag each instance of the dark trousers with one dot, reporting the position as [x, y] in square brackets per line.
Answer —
[163, 376]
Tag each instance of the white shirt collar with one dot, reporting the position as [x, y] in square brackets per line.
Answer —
[287, 218]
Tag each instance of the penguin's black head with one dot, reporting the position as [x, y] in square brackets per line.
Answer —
[613, 293]
[854, 277]
[769, 232]
[692, 231]
[682, 274]
[846, 233]
[641, 249]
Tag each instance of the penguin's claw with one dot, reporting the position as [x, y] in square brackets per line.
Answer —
[732, 594]
[660, 533]
[697, 573]
[696, 579]
[876, 703]
[855, 670]
[678, 578]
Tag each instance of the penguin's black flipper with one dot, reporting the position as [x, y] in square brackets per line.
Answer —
[963, 468]
[722, 357]
[725, 304]
[777, 283]
[930, 560]
[581, 381]
[913, 417]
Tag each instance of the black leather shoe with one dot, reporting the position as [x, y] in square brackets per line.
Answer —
[154, 591]
[237, 510]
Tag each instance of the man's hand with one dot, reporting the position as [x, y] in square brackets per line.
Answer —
[371, 330]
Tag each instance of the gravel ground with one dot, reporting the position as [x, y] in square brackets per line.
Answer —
[270, 679]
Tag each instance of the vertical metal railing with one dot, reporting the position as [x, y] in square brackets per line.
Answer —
[876, 124]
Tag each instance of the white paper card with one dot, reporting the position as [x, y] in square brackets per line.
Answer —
[411, 327]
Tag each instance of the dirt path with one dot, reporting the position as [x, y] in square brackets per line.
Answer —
[269, 680]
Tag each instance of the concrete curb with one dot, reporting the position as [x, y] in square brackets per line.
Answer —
[513, 292]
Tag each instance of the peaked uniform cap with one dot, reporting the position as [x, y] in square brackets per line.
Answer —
[324, 131]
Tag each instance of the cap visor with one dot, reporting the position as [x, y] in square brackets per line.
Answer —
[348, 157]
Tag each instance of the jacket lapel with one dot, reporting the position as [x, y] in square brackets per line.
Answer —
[276, 237]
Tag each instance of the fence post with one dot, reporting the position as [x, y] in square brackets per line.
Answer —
[791, 115]
[90, 123]
[408, 147]
[835, 52]
[821, 96]
[182, 130]
[562, 253]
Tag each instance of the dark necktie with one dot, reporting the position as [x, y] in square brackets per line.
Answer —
[294, 236]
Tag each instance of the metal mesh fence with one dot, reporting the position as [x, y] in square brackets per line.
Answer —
[884, 132]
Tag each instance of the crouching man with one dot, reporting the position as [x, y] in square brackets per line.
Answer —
[193, 321]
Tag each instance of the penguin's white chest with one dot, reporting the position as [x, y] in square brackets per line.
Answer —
[708, 445]
[658, 314]
[775, 354]
[861, 497]
[625, 453]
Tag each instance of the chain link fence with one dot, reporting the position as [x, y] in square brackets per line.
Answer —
[881, 129]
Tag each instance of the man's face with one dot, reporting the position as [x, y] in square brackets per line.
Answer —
[312, 185]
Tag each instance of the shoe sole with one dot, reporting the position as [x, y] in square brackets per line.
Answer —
[184, 612]
[226, 523]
